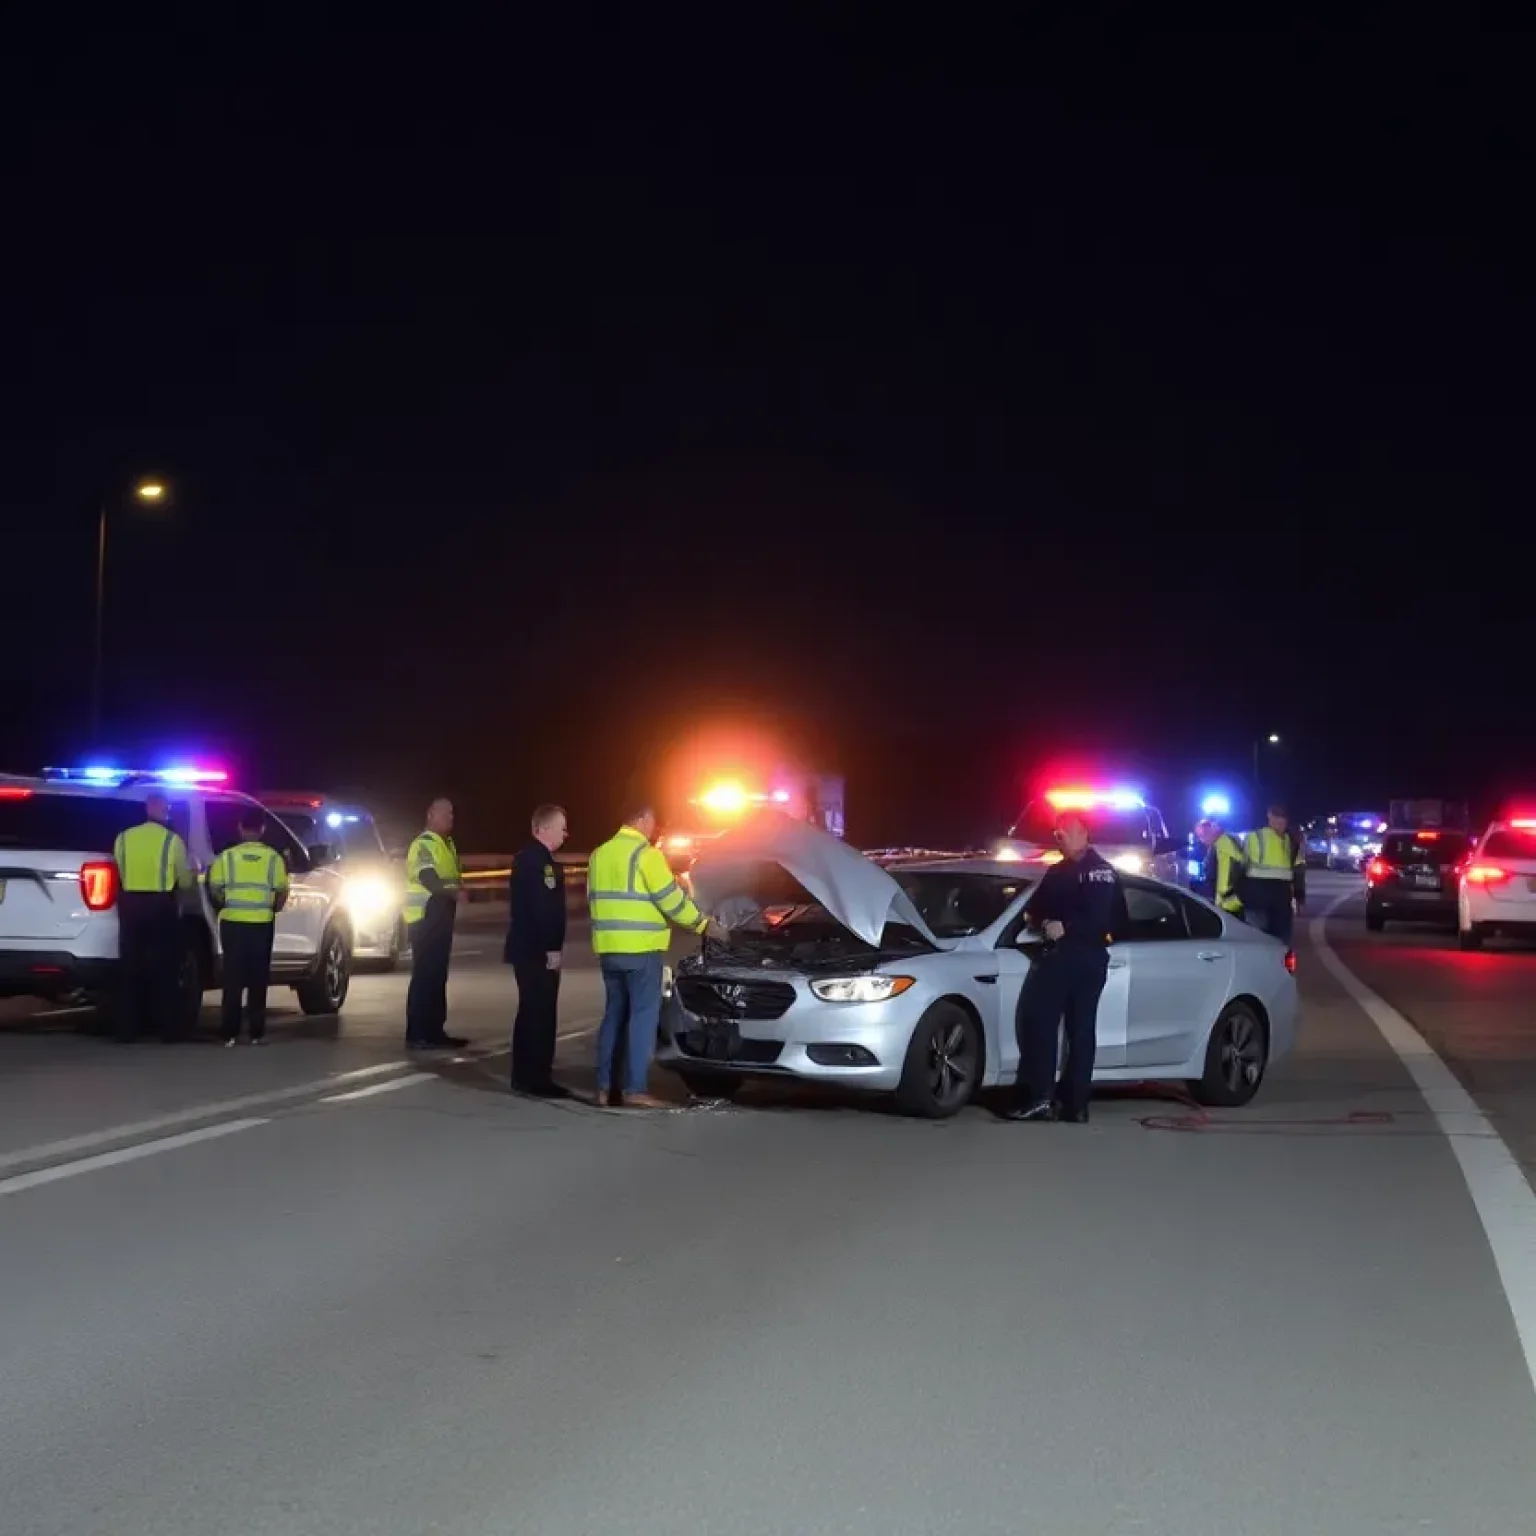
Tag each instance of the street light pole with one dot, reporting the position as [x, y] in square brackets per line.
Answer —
[150, 492]
[101, 613]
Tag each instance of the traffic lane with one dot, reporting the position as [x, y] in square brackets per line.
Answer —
[454, 1310]
[61, 1079]
[1478, 1011]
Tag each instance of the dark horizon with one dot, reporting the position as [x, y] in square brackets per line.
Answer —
[948, 424]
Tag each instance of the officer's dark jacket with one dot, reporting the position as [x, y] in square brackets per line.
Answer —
[1083, 895]
[538, 904]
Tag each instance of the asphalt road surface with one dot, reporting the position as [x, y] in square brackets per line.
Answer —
[324, 1289]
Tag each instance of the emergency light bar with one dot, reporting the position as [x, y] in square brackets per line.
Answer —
[114, 778]
[1087, 799]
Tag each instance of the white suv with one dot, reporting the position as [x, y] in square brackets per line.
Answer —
[59, 887]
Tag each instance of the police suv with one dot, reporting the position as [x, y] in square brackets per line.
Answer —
[59, 888]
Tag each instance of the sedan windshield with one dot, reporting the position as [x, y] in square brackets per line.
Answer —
[955, 904]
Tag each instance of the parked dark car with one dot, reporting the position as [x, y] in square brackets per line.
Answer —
[1414, 878]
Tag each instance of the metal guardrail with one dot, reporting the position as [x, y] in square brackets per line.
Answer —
[485, 874]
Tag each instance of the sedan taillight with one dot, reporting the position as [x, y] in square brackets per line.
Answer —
[1485, 874]
[98, 885]
[1290, 961]
[1377, 869]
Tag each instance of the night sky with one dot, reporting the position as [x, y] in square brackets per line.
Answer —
[936, 405]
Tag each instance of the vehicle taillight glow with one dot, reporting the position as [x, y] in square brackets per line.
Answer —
[1524, 823]
[1290, 961]
[14, 792]
[98, 885]
[1377, 869]
[1485, 874]
[1425, 837]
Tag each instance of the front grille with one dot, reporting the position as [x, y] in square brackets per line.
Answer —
[745, 1053]
[718, 997]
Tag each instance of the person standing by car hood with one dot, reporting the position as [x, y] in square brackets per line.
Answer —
[1078, 907]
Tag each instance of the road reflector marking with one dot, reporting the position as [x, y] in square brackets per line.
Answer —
[373, 1088]
[1501, 1195]
[22, 1181]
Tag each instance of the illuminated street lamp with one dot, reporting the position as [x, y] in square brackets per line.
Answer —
[1272, 740]
[148, 493]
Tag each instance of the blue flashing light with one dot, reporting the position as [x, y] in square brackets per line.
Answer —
[1196, 869]
[1216, 805]
[1124, 800]
[96, 773]
[334, 819]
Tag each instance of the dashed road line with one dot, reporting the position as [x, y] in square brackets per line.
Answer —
[1503, 1199]
[24, 1181]
[389, 1087]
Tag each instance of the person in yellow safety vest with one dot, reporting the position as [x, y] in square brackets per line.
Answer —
[1275, 876]
[248, 883]
[152, 866]
[434, 888]
[1222, 874]
[634, 900]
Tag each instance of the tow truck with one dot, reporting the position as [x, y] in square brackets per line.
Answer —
[813, 797]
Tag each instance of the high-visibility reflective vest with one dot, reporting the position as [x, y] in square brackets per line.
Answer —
[151, 858]
[1272, 855]
[249, 876]
[437, 853]
[1228, 859]
[634, 898]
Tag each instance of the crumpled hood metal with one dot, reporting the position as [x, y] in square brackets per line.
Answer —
[859, 894]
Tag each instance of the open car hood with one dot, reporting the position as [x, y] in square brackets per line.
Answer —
[859, 894]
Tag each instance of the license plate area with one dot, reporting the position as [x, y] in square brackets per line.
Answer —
[717, 1039]
[1426, 880]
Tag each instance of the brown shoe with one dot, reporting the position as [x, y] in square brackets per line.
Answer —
[599, 1099]
[644, 1101]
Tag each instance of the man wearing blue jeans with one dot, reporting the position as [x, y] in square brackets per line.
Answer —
[634, 900]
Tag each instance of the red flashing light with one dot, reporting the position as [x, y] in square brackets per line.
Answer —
[1290, 961]
[1525, 823]
[1425, 837]
[1377, 869]
[98, 885]
[14, 792]
[1485, 874]
[1045, 856]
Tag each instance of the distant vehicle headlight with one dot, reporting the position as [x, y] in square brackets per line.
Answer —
[1354, 850]
[1130, 863]
[861, 989]
[1009, 856]
[368, 897]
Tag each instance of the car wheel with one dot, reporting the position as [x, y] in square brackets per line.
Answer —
[712, 1085]
[326, 990]
[1235, 1060]
[1374, 921]
[943, 1065]
[1470, 937]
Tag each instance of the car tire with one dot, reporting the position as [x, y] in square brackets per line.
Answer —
[325, 991]
[1374, 921]
[712, 1085]
[1470, 937]
[944, 1064]
[1236, 1059]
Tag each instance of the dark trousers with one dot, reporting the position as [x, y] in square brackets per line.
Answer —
[1063, 985]
[426, 1002]
[533, 1031]
[149, 965]
[1267, 905]
[247, 969]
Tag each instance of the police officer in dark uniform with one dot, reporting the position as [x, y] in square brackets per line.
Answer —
[535, 940]
[1077, 907]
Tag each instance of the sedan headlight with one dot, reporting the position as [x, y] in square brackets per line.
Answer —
[368, 897]
[861, 989]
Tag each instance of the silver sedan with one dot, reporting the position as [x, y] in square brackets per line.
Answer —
[906, 980]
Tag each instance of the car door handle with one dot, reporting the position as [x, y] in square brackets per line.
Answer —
[1117, 965]
[1212, 954]
[990, 981]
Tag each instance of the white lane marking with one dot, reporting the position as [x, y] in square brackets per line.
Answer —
[1504, 1201]
[21, 1181]
[373, 1088]
[51, 1149]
